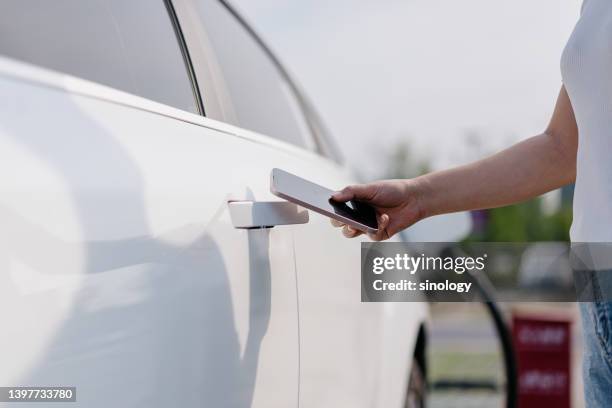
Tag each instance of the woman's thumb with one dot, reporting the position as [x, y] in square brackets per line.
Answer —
[362, 192]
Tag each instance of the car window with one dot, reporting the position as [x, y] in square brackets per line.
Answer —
[129, 45]
[261, 97]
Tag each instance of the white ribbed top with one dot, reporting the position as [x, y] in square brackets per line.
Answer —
[586, 67]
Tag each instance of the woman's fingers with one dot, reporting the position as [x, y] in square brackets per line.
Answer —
[350, 232]
[347, 231]
[382, 233]
[336, 223]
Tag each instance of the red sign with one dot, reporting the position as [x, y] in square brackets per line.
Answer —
[543, 353]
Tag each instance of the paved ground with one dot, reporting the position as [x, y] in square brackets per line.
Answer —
[463, 400]
[463, 347]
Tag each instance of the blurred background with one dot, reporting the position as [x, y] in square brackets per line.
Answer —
[412, 86]
[408, 87]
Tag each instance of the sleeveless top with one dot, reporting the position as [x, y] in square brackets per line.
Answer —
[586, 68]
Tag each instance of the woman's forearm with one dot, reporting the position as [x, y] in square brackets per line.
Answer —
[525, 170]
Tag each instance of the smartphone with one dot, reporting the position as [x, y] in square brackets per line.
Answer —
[358, 215]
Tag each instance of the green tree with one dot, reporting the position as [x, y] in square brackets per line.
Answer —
[525, 222]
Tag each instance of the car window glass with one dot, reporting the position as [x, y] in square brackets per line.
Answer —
[128, 45]
[262, 99]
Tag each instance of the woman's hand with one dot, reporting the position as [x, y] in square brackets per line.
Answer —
[397, 204]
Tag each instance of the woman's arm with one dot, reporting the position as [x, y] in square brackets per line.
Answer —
[525, 170]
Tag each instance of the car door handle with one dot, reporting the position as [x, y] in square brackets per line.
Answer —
[266, 214]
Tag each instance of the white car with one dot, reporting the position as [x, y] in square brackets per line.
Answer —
[127, 129]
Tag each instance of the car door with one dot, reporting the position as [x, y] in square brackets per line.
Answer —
[122, 273]
[351, 354]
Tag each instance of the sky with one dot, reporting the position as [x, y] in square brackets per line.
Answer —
[455, 80]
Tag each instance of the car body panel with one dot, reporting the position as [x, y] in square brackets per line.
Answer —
[120, 257]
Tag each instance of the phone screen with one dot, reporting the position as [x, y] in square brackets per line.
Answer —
[318, 199]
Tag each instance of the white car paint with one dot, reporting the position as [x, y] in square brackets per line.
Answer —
[123, 275]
